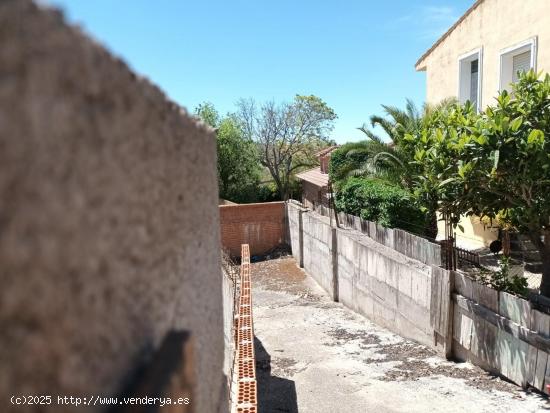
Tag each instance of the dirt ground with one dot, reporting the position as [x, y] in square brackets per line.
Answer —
[314, 355]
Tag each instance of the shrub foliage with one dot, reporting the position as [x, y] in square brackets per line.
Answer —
[386, 204]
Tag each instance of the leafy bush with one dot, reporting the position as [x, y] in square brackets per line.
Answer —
[267, 193]
[388, 205]
[502, 280]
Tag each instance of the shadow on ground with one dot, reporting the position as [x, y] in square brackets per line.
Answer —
[275, 394]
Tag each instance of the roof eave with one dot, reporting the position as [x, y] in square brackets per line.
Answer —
[420, 66]
[421, 63]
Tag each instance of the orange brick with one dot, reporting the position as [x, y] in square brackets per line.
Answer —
[261, 226]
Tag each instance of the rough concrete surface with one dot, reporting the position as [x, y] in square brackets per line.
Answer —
[314, 355]
[109, 225]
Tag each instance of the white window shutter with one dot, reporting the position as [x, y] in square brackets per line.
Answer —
[521, 63]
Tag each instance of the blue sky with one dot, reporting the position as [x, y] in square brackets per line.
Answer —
[355, 55]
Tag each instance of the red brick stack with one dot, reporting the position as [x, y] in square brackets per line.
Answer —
[246, 360]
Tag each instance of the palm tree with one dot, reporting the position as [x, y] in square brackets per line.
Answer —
[393, 161]
[388, 161]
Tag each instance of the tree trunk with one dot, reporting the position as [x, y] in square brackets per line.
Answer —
[431, 224]
[224, 189]
[506, 247]
[544, 249]
[431, 219]
[283, 190]
[545, 282]
[278, 184]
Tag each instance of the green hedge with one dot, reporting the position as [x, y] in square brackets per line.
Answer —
[388, 205]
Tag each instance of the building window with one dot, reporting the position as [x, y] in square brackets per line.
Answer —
[516, 59]
[469, 82]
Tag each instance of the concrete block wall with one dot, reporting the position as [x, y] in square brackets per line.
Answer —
[365, 275]
[502, 333]
[411, 245]
[367, 268]
[261, 226]
[319, 251]
[385, 286]
[295, 231]
[109, 225]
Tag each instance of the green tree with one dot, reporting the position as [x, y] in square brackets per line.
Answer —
[433, 159]
[287, 135]
[393, 161]
[208, 114]
[497, 163]
[238, 167]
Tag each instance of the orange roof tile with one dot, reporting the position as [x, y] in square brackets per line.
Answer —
[315, 176]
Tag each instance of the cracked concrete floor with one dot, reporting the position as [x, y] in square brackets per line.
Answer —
[316, 356]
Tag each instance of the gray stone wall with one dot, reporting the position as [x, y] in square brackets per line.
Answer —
[293, 230]
[318, 251]
[367, 276]
[385, 286]
[109, 227]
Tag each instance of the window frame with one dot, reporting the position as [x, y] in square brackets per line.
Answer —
[506, 57]
[467, 58]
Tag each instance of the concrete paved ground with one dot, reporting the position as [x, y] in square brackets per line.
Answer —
[316, 356]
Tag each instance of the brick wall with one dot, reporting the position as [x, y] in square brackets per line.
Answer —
[312, 195]
[109, 229]
[262, 226]
[324, 163]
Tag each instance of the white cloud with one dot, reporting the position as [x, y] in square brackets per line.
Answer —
[429, 22]
[437, 20]
[443, 14]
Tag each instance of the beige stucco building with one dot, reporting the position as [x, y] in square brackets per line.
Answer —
[478, 55]
[481, 55]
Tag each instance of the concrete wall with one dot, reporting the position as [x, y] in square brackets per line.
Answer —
[494, 25]
[413, 246]
[377, 272]
[109, 225]
[261, 225]
[502, 333]
[319, 251]
[228, 291]
[371, 278]
[387, 287]
[295, 231]
[313, 195]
